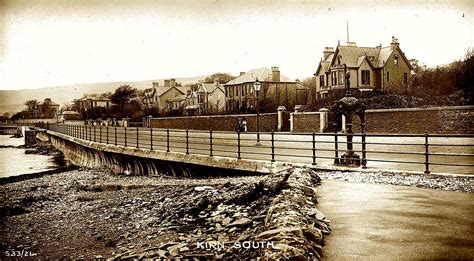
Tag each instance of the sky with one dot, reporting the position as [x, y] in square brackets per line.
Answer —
[51, 42]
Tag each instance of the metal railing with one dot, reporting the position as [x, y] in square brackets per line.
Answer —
[418, 152]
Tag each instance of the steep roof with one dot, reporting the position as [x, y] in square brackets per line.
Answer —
[94, 98]
[263, 75]
[210, 87]
[162, 90]
[350, 54]
[47, 102]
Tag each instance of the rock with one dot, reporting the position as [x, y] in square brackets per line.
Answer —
[240, 222]
[174, 250]
[313, 234]
[274, 233]
[202, 188]
[243, 237]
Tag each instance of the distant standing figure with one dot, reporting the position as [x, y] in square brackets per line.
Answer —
[239, 125]
[244, 125]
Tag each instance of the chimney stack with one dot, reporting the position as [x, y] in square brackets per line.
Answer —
[173, 82]
[394, 43]
[167, 83]
[275, 74]
[327, 51]
[242, 73]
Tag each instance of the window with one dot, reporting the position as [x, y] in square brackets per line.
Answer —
[321, 80]
[388, 76]
[339, 58]
[395, 59]
[405, 78]
[341, 77]
[334, 78]
[365, 77]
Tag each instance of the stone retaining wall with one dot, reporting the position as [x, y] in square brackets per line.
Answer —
[458, 119]
[268, 122]
[293, 223]
[306, 122]
[453, 119]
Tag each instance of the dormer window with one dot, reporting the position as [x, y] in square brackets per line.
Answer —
[395, 59]
[339, 58]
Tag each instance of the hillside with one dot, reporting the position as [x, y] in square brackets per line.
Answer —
[13, 100]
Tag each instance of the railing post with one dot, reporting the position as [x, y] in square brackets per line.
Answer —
[47, 125]
[90, 133]
[167, 140]
[100, 133]
[137, 139]
[210, 143]
[427, 162]
[364, 152]
[94, 133]
[125, 131]
[336, 156]
[115, 135]
[107, 134]
[273, 146]
[151, 138]
[187, 141]
[238, 144]
[314, 148]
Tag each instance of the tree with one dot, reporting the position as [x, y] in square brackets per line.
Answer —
[31, 105]
[220, 77]
[123, 95]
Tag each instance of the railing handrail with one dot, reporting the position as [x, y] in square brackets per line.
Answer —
[276, 146]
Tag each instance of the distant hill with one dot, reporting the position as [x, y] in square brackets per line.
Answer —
[13, 100]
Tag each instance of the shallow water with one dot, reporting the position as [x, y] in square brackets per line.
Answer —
[14, 161]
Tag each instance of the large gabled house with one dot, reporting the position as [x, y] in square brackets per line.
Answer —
[383, 68]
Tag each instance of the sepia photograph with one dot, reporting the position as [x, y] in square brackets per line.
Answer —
[236, 130]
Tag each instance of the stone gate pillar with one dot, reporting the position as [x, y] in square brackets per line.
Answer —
[323, 119]
[281, 110]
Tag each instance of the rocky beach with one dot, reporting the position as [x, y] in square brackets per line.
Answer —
[91, 213]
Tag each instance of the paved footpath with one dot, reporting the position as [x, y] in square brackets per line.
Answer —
[384, 222]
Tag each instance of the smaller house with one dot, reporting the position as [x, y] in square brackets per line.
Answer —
[92, 102]
[210, 98]
[47, 108]
[166, 97]
[69, 115]
[192, 103]
[276, 90]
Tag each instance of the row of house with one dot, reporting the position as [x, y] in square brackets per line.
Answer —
[371, 68]
[235, 95]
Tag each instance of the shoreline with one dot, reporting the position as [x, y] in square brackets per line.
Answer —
[92, 213]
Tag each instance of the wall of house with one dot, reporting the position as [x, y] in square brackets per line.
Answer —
[216, 101]
[395, 85]
[268, 122]
[453, 119]
[170, 94]
[365, 66]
